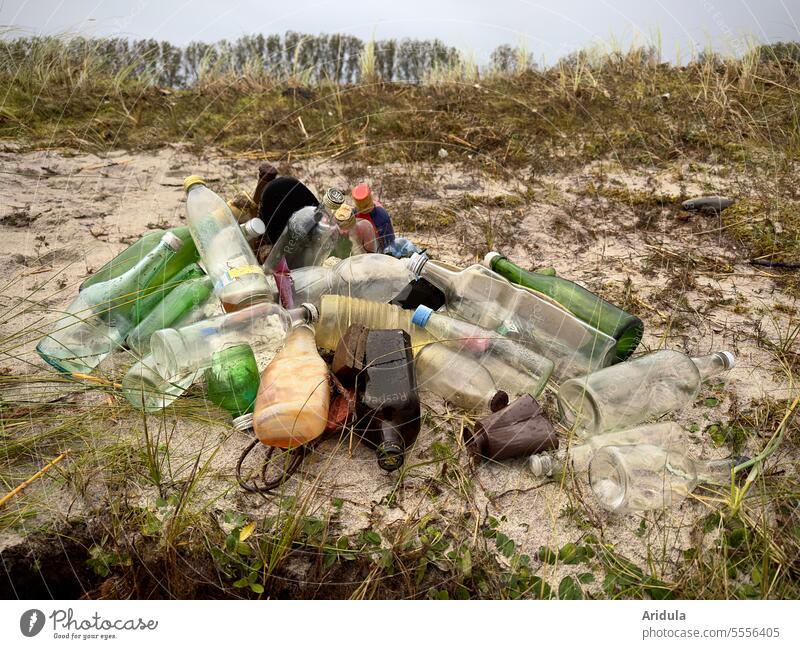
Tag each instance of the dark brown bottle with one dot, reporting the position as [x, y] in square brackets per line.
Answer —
[389, 410]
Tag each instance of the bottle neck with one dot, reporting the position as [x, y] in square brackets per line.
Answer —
[439, 276]
[713, 364]
[716, 472]
[126, 287]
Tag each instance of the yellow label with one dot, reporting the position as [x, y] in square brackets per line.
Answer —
[233, 273]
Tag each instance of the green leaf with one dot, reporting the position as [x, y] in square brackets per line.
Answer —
[241, 583]
[243, 549]
[257, 588]
[547, 555]
[586, 578]
[568, 589]
[710, 402]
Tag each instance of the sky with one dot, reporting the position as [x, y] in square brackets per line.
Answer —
[548, 29]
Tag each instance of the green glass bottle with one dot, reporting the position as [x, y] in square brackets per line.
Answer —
[146, 304]
[625, 328]
[232, 380]
[179, 301]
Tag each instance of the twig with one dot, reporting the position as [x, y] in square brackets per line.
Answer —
[773, 264]
[32, 479]
[95, 379]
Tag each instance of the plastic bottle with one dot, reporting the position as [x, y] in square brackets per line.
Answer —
[370, 276]
[632, 392]
[238, 279]
[665, 434]
[481, 296]
[338, 312]
[294, 396]
[262, 326]
[458, 379]
[172, 308]
[310, 234]
[532, 370]
[188, 254]
[625, 328]
[232, 382]
[100, 318]
[643, 477]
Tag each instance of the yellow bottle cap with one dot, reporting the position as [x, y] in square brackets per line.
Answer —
[192, 180]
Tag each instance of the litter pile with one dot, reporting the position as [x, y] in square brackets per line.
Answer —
[360, 320]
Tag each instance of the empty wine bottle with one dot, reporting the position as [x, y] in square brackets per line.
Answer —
[632, 392]
[665, 434]
[643, 477]
[310, 235]
[172, 308]
[625, 328]
[389, 410]
[263, 326]
[294, 396]
[238, 279]
[481, 296]
[100, 318]
[232, 381]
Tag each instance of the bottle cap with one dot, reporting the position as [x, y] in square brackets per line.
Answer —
[416, 261]
[313, 312]
[421, 315]
[345, 218]
[253, 228]
[189, 181]
[244, 422]
[172, 240]
[489, 258]
[541, 465]
[728, 359]
[363, 197]
[333, 199]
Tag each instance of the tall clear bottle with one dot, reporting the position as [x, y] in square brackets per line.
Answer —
[665, 434]
[262, 326]
[481, 296]
[520, 370]
[309, 236]
[100, 318]
[632, 392]
[238, 279]
[643, 477]
[625, 328]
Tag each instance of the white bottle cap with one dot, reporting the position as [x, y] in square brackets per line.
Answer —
[172, 240]
[728, 358]
[490, 256]
[416, 261]
[253, 228]
[244, 422]
[541, 465]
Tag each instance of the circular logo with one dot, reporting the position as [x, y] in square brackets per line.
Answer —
[31, 622]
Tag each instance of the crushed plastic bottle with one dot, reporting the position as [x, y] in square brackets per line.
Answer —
[100, 318]
[238, 279]
[630, 393]
[643, 477]
[294, 396]
[262, 326]
[481, 296]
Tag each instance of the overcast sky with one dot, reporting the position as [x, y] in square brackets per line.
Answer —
[548, 28]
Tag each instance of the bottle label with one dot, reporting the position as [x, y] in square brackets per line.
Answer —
[233, 273]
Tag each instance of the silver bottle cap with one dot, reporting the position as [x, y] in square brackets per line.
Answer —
[313, 312]
[541, 465]
[172, 241]
[489, 258]
[244, 422]
[728, 359]
[333, 199]
[416, 261]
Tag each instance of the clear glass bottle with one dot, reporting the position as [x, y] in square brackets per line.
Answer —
[293, 399]
[262, 326]
[100, 318]
[479, 295]
[632, 392]
[238, 279]
[643, 477]
[521, 370]
[370, 277]
[665, 434]
[309, 236]
[458, 379]
[625, 328]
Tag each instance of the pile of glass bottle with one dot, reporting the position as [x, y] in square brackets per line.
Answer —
[195, 303]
